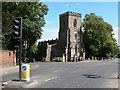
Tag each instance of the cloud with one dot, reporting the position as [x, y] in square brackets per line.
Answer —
[49, 34]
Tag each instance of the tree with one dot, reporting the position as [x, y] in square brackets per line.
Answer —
[98, 38]
[32, 14]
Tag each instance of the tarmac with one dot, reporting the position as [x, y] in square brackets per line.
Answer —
[17, 83]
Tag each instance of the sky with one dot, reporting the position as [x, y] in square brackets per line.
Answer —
[107, 10]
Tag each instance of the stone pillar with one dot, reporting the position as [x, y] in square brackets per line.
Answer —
[66, 54]
[92, 58]
[48, 53]
[83, 56]
[63, 58]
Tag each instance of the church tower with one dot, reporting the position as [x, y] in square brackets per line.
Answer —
[70, 35]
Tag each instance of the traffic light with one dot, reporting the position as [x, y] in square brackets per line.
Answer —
[24, 44]
[17, 35]
[17, 26]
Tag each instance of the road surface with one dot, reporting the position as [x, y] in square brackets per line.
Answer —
[88, 74]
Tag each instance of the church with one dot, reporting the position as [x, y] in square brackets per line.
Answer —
[69, 46]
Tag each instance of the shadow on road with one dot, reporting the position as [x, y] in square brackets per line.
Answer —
[95, 76]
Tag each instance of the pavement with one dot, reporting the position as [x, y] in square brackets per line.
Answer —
[19, 84]
[7, 71]
[12, 69]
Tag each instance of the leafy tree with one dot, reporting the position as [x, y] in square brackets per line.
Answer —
[32, 14]
[98, 38]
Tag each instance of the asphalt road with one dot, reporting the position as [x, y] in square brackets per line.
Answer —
[92, 74]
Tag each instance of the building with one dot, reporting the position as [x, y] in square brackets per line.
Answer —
[69, 44]
[42, 49]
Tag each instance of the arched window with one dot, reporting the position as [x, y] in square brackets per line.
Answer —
[75, 23]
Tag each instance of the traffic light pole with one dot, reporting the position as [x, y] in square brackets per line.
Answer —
[20, 51]
[17, 35]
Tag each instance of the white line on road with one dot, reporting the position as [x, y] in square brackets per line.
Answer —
[35, 82]
[34, 76]
[75, 71]
[51, 79]
[6, 82]
[56, 71]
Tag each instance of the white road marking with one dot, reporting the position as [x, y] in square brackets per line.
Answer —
[6, 82]
[34, 76]
[75, 71]
[33, 83]
[56, 71]
[51, 79]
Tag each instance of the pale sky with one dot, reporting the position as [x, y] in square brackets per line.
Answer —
[107, 10]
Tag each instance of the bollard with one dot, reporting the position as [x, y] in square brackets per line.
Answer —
[26, 72]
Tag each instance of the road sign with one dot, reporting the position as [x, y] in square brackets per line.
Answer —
[24, 68]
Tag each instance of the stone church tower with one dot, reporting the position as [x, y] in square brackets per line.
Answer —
[69, 45]
[70, 35]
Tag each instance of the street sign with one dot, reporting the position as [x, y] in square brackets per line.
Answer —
[24, 68]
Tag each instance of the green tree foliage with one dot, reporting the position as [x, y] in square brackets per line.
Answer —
[98, 38]
[32, 14]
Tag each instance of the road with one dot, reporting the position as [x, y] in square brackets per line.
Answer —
[88, 74]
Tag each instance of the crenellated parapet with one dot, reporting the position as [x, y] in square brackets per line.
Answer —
[70, 13]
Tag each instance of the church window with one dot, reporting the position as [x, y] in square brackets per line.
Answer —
[75, 23]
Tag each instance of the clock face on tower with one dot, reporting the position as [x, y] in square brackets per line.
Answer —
[75, 23]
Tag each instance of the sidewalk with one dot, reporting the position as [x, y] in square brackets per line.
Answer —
[89, 61]
[19, 84]
[12, 69]
[15, 83]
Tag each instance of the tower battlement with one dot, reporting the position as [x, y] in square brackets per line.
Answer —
[70, 13]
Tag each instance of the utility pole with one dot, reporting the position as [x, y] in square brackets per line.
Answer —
[20, 61]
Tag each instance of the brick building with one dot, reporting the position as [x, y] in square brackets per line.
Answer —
[69, 43]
